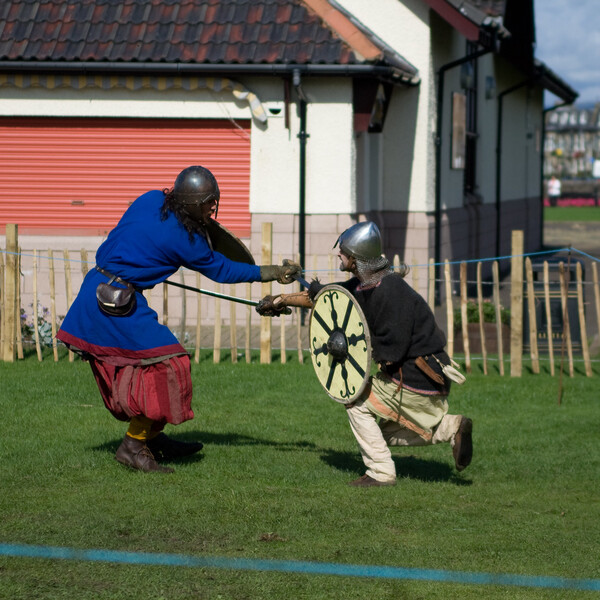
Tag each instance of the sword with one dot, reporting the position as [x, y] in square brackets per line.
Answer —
[298, 278]
[214, 294]
[302, 281]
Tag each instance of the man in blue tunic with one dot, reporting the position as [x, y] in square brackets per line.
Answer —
[142, 371]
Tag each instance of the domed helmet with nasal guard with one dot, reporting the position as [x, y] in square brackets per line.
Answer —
[195, 186]
[362, 241]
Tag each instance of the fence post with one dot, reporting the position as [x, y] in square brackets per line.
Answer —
[516, 304]
[68, 290]
[84, 262]
[449, 309]
[548, 316]
[299, 335]
[217, 327]
[481, 327]
[233, 326]
[533, 345]
[415, 274]
[265, 322]
[2, 309]
[248, 324]
[52, 280]
[583, 331]
[563, 274]
[463, 314]
[36, 329]
[299, 327]
[182, 326]
[165, 291]
[19, 332]
[11, 280]
[596, 294]
[496, 279]
[198, 322]
[431, 286]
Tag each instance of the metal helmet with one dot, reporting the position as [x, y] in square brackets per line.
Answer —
[195, 186]
[362, 241]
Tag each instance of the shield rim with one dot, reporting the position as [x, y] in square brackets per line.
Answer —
[239, 252]
[361, 314]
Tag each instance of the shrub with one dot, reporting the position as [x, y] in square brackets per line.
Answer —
[44, 325]
[489, 313]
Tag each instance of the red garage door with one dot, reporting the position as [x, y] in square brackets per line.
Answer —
[78, 176]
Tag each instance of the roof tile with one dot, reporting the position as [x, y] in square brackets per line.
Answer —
[201, 31]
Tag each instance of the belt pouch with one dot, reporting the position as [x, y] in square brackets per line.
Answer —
[116, 301]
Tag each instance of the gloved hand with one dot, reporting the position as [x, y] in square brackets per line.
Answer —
[283, 274]
[269, 307]
[315, 287]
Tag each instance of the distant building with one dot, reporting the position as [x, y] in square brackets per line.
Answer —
[572, 142]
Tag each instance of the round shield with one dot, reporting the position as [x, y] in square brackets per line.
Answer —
[340, 344]
[223, 241]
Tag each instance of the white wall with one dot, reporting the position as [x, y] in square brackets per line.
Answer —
[521, 131]
[408, 151]
[330, 154]
[121, 103]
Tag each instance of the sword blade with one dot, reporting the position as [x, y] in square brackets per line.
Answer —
[214, 294]
[302, 281]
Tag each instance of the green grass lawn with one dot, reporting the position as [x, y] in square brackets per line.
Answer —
[271, 483]
[572, 213]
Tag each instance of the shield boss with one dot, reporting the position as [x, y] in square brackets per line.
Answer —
[340, 344]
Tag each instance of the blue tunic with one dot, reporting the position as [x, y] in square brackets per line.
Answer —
[144, 251]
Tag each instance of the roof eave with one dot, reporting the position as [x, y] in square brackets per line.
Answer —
[366, 45]
[553, 83]
[474, 24]
[391, 73]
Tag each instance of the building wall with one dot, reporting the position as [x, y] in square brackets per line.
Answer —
[407, 150]
[487, 113]
[399, 190]
[274, 153]
[330, 160]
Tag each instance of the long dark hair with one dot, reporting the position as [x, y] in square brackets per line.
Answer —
[170, 205]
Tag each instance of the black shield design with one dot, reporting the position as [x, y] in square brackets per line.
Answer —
[340, 344]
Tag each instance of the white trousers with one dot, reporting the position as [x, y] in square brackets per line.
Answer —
[374, 438]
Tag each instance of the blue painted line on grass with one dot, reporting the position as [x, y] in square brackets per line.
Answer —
[290, 566]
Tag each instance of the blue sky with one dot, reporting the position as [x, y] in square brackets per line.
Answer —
[568, 42]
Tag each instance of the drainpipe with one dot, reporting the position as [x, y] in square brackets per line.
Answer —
[438, 156]
[542, 162]
[499, 154]
[302, 136]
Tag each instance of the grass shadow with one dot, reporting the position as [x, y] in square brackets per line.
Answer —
[409, 467]
[343, 461]
[237, 439]
[219, 439]
[412, 467]
[111, 448]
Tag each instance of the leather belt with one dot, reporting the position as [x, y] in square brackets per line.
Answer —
[116, 278]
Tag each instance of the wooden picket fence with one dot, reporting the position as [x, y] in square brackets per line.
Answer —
[211, 321]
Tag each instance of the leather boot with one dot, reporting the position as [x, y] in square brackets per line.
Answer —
[366, 481]
[165, 448]
[135, 454]
[463, 444]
